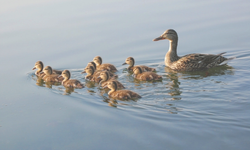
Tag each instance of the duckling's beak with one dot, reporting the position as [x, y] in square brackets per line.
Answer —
[83, 72]
[158, 39]
[34, 68]
[124, 63]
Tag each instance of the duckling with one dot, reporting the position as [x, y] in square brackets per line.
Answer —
[70, 83]
[39, 66]
[92, 75]
[97, 72]
[145, 76]
[190, 62]
[98, 61]
[120, 94]
[131, 62]
[49, 77]
[104, 75]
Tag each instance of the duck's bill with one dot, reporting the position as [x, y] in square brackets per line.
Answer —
[34, 68]
[158, 39]
[124, 63]
[83, 72]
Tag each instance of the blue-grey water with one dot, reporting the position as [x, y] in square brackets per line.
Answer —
[200, 110]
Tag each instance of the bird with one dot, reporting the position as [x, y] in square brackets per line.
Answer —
[39, 66]
[145, 76]
[70, 83]
[92, 75]
[190, 62]
[131, 62]
[105, 79]
[49, 76]
[99, 66]
[120, 94]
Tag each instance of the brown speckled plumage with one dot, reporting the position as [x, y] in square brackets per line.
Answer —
[121, 94]
[49, 77]
[39, 66]
[99, 66]
[131, 62]
[70, 83]
[145, 76]
[190, 62]
[105, 79]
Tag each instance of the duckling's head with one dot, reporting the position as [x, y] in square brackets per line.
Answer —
[137, 70]
[47, 70]
[97, 60]
[92, 64]
[169, 34]
[112, 85]
[104, 75]
[38, 65]
[89, 70]
[130, 61]
[66, 74]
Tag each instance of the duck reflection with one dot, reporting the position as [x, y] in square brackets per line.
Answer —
[173, 86]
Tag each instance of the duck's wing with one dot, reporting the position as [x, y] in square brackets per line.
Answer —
[194, 62]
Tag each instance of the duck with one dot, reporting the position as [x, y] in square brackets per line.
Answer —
[145, 76]
[105, 79]
[70, 83]
[99, 66]
[92, 75]
[131, 62]
[190, 62]
[49, 76]
[120, 94]
[39, 66]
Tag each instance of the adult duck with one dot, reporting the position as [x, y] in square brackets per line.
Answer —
[190, 62]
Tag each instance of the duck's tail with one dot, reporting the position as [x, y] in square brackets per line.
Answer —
[226, 59]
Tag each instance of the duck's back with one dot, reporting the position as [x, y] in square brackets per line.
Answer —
[119, 84]
[193, 62]
[124, 94]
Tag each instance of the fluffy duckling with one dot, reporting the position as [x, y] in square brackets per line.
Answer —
[120, 94]
[92, 75]
[145, 76]
[39, 66]
[105, 79]
[131, 62]
[190, 62]
[49, 77]
[99, 66]
[70, 83]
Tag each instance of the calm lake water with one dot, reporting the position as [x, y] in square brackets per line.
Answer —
[199, 110]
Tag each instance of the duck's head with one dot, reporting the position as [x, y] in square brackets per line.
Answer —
[169, 34]
[47, 70]
[137, 70]
[66, 74]
[129, 61]
[97, 60]
[38, 65]
[90, 64]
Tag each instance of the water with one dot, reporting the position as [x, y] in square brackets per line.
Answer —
[198, 110]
